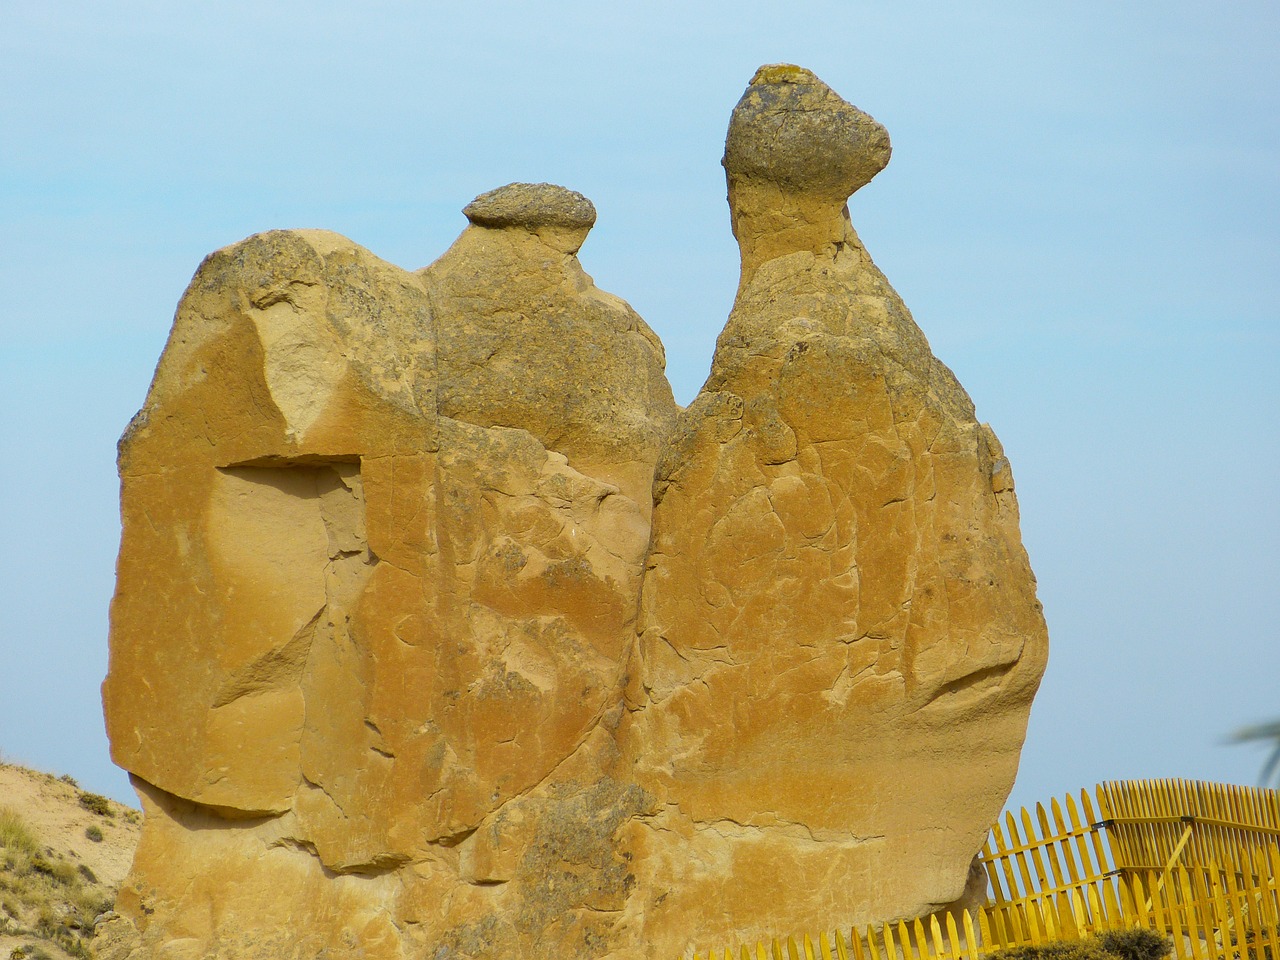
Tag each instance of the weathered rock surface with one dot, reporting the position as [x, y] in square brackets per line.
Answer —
[383, 536]
[839, 632]
[440, 630]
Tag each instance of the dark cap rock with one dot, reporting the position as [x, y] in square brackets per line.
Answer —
[790, 128]
[532, 205]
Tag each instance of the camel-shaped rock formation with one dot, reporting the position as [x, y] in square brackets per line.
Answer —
[442, 631]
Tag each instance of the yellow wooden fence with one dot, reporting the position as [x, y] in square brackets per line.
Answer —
[1196, 861]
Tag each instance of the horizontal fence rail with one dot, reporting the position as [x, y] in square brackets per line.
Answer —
[1195, 861]
[1152, 824]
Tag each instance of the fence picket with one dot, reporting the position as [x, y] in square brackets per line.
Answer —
[1029, 833]
[1068, 835]
[909, 951]
[890, 947]
[922, 940]
[986, 933]
[935, 932]
[1226, 922]
[1018, 855]
[1262, 898]
[873, 951]
[855, 945]
[1199, 861]
[953, 937]
[1050, 847]
[1156, 901]
[1239, 914]
[1195, 931]
[971, 945]
[1000, 858]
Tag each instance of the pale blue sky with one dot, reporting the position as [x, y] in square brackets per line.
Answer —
[1082, 211]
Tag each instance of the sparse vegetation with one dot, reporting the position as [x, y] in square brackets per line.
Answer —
[43, 894]
[1135, 944]
[94, 833]
[96, 803]
[15, 837]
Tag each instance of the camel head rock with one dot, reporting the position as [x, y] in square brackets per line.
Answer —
[795, 152]
[441, 631]
[839, 633]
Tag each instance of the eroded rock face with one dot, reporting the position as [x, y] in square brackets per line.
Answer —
[441, 632]
[384, 533]
[839, 631]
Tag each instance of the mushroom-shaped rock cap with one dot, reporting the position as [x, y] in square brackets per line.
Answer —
[532, 205]
[791, 129]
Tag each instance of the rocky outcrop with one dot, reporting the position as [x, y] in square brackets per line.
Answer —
[839, 631]
[383, 535]
[441, 631]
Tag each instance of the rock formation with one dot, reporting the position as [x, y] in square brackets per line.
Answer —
[440, 631]
[839, 631]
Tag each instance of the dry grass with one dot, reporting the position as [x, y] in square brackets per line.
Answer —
[15, 836]
[42, 894]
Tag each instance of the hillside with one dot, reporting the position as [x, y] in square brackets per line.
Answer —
[63, 854]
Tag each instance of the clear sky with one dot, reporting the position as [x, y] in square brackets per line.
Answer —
[1082, 211]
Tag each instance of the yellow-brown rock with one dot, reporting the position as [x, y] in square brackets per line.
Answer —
[440, 631]
[383, 538]
[839, 632]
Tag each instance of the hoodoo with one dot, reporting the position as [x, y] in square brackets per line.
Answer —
[440, 631]
[839, 633]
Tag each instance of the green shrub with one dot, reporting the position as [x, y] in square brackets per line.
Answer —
[95, 803]
[1135, 944]
[59, 872]
[39, 864]
[1056, 950]
[47, 923]
[93, 833]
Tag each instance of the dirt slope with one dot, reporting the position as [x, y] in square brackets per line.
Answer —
[63, 853]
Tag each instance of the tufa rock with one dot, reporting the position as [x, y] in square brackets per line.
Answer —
[376, 588]
[440, 631]
[839, 635]
[532, 205]
[791, 130]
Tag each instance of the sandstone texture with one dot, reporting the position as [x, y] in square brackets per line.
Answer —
[840, 637]
[441, 631]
